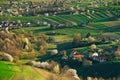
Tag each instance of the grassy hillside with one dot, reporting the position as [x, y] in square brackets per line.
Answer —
[11, 71]
[5, 71]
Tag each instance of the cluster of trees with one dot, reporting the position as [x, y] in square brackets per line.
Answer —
[51, 66]
[54, 67]
[78, 40]
[22, 44]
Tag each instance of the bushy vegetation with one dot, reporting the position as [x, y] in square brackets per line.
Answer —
[24, 45]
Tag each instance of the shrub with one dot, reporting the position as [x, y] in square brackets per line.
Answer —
[118, 53]
[4, 35]
[91, 39]
[41, 46]
[32, 63]
[72, 73]
[56, 69]
[89, 78]
[88, 35]
[13, 52]
[52, 65]
[55, 51]
[44, 37]
[64, 69]
[37, 64]
[1, 54]
[64, 54]
[53, 77]
[7, 57]
[76, 39]
[16, 59]
[87, 62]
[1, 44]
[93, 46]
[27, 55]
[44, 65]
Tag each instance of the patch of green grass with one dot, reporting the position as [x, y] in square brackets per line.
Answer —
[118, 33]
[41, 29]
[5, 71]
[12, 71]
[66, 31]
[111, 23]
[100, 26]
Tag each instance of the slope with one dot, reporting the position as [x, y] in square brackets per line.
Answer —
[11, 71]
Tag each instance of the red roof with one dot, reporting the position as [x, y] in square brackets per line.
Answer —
[78, 56]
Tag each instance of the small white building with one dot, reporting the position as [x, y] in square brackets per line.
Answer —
[95, 54]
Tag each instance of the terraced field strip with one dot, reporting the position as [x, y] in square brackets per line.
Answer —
[94, 18]
[51, 21]
[111, 23]
[71, 19]
[98, 16]
[78, 18]
[62, 19]
[99, 26]
[56, 19]
[101, 15]
[83, 18]
[108, 14]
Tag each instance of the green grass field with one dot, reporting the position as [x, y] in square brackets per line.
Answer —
[11, 71]
[5, 71]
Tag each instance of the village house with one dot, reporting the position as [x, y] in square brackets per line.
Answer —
[76, 55]
[100, 58]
